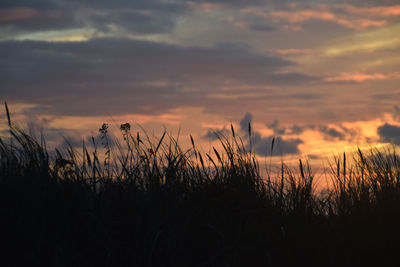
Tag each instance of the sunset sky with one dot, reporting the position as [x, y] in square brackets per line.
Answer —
[324, 76]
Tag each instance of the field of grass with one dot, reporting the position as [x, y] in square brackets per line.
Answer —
[151, 203]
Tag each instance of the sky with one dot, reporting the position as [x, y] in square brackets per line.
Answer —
[321, 76]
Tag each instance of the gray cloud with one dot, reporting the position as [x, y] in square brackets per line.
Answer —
[126, 75]
[138, 16]
[213, 134]
[245, 121]
[278, 130]
[389, 133]
[297, 129]
[252, 22]
[262, 145]
[259, 144]
[150, 16]
[330, 132]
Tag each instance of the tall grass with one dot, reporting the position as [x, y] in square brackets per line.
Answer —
[146, 202]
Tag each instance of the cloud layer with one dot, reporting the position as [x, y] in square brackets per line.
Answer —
[389, 133]
[139, 16]
[129, 75]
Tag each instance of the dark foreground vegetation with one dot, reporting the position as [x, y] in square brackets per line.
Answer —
[151, 204]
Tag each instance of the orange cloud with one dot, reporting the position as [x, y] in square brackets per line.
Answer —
[304, 15]
[294, 51]
[378, 11]
[13, 14]
[361, 77]
[361, 23]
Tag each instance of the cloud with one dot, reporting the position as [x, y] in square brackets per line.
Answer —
[361, 77]
[18, 13]
[331, 133]
[139, 16]
[250, 22]
[158, 16]
[375, 11]
[299, 16]
[348, 16]
[128, 76]
[293, 51]
[261, 27]
[213, 134]
[29, 19]
[297, 129]
[209, 5]
[262, 145]
[389, 133]
[278, 130]
[253, 26]
[245, 122]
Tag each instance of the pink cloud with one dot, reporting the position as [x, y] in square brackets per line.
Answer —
[348, 16]
[326, 15]
[19, 13]
[361, 77]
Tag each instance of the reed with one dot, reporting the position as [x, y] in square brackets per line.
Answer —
[147, 202]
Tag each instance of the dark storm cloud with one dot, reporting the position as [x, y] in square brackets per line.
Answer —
[262, 145]
[82, 78]
[389, 133]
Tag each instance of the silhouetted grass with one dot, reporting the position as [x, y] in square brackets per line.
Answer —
[151, 203]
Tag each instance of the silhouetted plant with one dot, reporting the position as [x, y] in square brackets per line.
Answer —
[153, 203]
